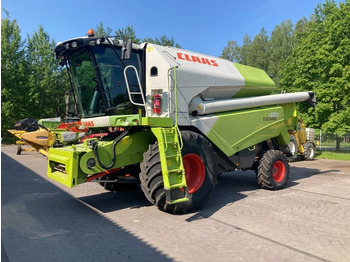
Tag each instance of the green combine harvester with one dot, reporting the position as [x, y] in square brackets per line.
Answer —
[176, 120]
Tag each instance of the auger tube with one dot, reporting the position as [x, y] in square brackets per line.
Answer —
[200, 107]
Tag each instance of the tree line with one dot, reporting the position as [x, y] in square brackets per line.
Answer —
[312, 55]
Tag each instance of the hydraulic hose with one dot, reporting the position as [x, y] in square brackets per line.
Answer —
[94, 147]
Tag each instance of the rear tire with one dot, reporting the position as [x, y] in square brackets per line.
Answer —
[199, 163]
[309, 151]
[273, 170]
[293, 148]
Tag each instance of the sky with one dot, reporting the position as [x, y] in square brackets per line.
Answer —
[203, 26]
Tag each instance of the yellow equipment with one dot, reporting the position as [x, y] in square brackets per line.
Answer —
[302, 142]
[39, 140]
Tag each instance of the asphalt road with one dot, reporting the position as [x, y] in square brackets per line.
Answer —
[44, 221]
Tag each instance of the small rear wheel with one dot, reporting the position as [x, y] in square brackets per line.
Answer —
[19, 150]
[293, 148]
[309, 151]
[273, 170]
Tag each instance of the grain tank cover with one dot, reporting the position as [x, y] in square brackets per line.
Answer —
[212, 77]
[197, 74]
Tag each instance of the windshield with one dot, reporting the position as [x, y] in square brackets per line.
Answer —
[104, 89]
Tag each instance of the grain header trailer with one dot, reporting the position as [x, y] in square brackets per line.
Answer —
[39, 135]
[176, 120]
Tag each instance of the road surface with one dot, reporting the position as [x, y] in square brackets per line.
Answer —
[44, 221]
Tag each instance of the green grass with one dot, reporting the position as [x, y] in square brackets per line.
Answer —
[333, 155]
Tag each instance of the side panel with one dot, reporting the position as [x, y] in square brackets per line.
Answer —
[63, 167]
[197, 74]
[237, 130]
[128, 151]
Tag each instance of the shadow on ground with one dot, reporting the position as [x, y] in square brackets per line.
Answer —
[50, 225]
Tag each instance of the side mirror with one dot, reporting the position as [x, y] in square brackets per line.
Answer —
[126, 50]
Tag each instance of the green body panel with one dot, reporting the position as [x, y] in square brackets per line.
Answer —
[157, 121]
[128, 120]
[173, 171]
[125, 120]
[257, 82]
[49, 124]
[70, 175]
[73, 159]
[290, 116]
[237, 130]
[129, 151]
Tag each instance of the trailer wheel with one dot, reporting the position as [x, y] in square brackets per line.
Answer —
[199, 164]
[293, 148]
[273, 170]
[309, 151]
[19, 150]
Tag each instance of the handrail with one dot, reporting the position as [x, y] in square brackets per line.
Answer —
[128, 87]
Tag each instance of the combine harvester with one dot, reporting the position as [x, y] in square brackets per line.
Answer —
[181, 119]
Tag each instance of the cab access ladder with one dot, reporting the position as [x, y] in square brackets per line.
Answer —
[173, 171]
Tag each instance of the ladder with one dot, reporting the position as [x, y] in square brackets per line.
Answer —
[131, 93]
[170, 144]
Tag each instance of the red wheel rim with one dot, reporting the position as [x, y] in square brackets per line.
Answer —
[278, 171]
[195, 172]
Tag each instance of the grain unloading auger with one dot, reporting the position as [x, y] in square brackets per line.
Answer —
[177, 119]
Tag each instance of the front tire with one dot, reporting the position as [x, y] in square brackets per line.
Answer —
[273, 170]
[199, 164]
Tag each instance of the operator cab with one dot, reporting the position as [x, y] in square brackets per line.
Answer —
[106, 75]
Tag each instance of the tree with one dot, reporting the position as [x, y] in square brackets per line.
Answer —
[231, 51]
[236, 53]
[126, 34]
[13, 76]
[163, 40]
[321, 63]
[245, 50]
[47, 84]
[101, 30]
[258, 55]
[280, 47]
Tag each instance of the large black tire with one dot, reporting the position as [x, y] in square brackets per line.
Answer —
[293, 148]
[196, 151]
[309, 151]
[273, 170]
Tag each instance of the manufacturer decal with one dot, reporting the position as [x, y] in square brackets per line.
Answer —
[89, 123]
[197, 59]
[272, 116]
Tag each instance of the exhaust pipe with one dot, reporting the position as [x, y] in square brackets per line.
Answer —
[199, 107]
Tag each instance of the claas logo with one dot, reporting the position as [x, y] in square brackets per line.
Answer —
[197, 59]
[89, 123]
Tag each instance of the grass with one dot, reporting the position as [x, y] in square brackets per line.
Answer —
[333, 155]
